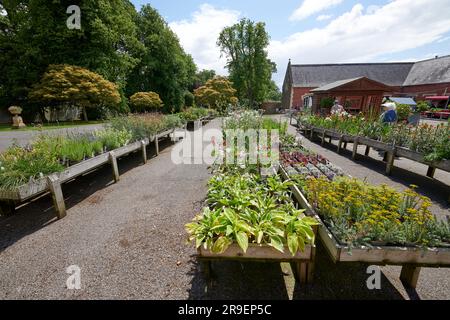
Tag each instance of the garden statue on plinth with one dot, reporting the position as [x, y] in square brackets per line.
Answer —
[17, 119]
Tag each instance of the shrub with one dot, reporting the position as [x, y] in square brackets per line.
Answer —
[422, 106]
[326, 102]
[403, 112]
[189, 99]
[146, 101]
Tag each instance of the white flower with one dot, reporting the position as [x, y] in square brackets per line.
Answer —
[2, 168]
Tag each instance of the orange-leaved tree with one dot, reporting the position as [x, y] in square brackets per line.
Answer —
[146, 101]
[217, 93]
[67, 85]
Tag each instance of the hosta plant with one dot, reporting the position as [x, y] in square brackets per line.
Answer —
[248, 209]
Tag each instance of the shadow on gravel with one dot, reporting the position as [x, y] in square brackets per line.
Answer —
[432, 188]
[36, 214]
[265, 281]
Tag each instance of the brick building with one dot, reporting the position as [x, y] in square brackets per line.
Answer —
[406, 79]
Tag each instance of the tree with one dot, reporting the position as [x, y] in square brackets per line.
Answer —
[201, 78]
[34, 35]
[244, 45]
[217, 93]
[188, 99]
[273, 93]
[74, 86]
[146, 101]
[164, 66]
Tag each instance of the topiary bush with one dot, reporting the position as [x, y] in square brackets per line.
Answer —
[146, 101]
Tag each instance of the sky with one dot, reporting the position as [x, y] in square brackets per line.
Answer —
[314, 31]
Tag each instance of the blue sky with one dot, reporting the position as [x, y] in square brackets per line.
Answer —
[315, 31]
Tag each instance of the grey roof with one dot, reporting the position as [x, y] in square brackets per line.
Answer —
[317, 75]
[392, 74]
[429, 71]
[335, 84]
[408, 101]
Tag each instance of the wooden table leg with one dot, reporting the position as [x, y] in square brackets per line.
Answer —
[54, 185]
[367, 151]
[339, 145]
[115, 167]
[390, 162]
[355, 149]
[431, 171]
[7, 208]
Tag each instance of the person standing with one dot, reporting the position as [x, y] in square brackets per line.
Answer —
[389, 115]
[337, 108]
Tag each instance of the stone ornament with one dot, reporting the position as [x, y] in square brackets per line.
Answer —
[17, 119]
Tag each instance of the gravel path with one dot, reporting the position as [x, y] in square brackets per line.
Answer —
[129, 241]
[7, 138]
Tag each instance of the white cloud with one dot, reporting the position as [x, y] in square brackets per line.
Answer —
[372, 9]
[199, 35]
[443, 39]
[357, 36]
[324, 17]
[310, 7]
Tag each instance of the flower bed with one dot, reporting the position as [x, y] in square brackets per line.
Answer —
[256, 215]
[433, 142]
[251, 217]
[374, 224]
[24, 171]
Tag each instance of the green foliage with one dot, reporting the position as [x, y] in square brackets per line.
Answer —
[137, 51]
[431, 141]
[188, 99]
[422, 106]
[273, 92]
[326, 102]
[112, 139]
[193, 114]
[245, 46]
[146, 101]
[19, 166]
[271, 124]
[243, 120]
[164, 67]
[248, 209]
[51, 154]
[201, 77]
[403, 112]
[35, 36]
[146, 125]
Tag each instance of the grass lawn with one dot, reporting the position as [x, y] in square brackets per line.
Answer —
[50, 126]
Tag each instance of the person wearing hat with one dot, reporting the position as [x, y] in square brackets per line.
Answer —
[337, 108]
[389, 115]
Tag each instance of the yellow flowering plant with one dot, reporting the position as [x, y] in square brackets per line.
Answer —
[362, 214]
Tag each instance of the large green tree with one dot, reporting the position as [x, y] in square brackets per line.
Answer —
[201, 77]
[34, 34]
[164, 66]
[245, 46]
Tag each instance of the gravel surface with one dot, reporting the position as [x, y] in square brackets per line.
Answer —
[129, 241]
[7, 138]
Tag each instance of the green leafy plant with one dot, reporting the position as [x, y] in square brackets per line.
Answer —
[403, 112]
[247, 209]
